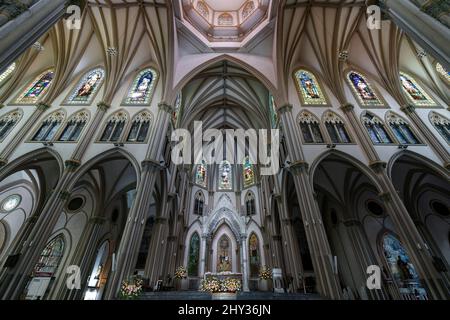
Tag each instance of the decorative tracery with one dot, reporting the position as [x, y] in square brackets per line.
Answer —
[48, 129]
[37, 88]
[74, 127]
[141, 90]
[401, 129]
[441, 124]
[8, 122]
[310, 127]
[363, 91]
[336, 128]
[309, 88]
[376, 129]
[140, 127]
[114, 127]
[87, 87]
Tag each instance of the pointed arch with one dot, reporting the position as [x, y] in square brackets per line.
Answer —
[113, 130]
[254, 255]
[74, 126]
[401, 129]
[336, 128]
[362, 89]
[225, 19]
[199, 204]
[309, 89]
[415, 93]
[87, 87]
[441, 124]
[310, 128]
[250, 204]
[142, 88]
[37, 89]
[8, 121]
[140, 127]
[376, 129]
[50, 258]
[49, 127]
[194, 255]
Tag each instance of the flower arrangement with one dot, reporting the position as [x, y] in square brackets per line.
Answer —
[265, 273]
[181, 273]
[131, 289]
[214, 285]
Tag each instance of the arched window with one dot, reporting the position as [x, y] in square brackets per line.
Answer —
[441, 124]
[74, 127]
[50, 258]
[309, 88]
[250, 205]
[225, 19]
[415, 92]
[444, 74]
[336, 128]
[363, 91]
[248, 173]
[141, 90]
[37, 88]
[140, 127]
[202, 8]
[310, 127]
[49, 127]
[194, 255]
[273, 111]
[225, 176]
[249, 7]
[114, 127]
[177, 109]
[375, 128]
[199, 204]
[8, 122]
[201, 174]
[7, 73]
[254, 255]
[87, 88]
[401, 129]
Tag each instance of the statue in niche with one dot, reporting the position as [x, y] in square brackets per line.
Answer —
[224, 255]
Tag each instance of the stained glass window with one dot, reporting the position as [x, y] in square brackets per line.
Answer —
[50, 258]
[254, 255]
[336, 128]
[225, 19]
[415, 92]
[194, 255]
[310, 128]
[11, 203]
[176, 109]
[225, 176]
[249, 173]
[142, 88]
[5, 75]
[400, 266]
[199, 204]
[375, 128]
[49, 127]
[250, 204]
[201, 174]
[441, 124]
[202, 8]
[309, 88]
[87, 88]
[8, 122]
[74, 127]
[401, 129]
[114, 127]
[273, 111]
[363, 91]
[442, 72]
[37, 89]
[140, 127]
[249, 7]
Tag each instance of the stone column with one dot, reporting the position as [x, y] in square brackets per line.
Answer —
[315, 232]
[128, 250]
[244, 262]
[203, 253]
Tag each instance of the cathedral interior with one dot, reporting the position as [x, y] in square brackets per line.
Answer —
[92, 94]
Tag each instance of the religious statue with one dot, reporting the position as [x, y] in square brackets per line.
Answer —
[224, 260]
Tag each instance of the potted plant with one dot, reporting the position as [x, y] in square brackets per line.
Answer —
[181, 276]
[131, 289]
[265, 275]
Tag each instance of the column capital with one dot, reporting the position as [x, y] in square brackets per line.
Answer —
[285, 108]
[298, 166]
[408, 108]
[347, 107]
[151, 164]
[377, 166]
[72, 164]
[103, 106]
[163, 106]
[41, 106]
